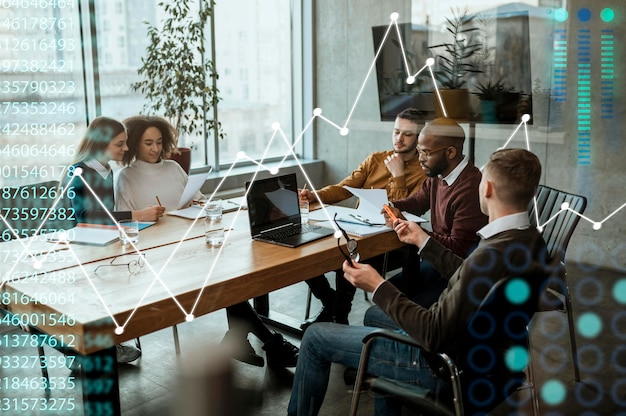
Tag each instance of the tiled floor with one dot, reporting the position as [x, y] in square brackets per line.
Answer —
[154, 385]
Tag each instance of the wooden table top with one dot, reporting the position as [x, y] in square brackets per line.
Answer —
[179, 278]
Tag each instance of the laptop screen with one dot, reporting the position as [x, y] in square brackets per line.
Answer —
[272, 203]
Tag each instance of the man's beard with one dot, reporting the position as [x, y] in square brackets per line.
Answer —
[436, 170]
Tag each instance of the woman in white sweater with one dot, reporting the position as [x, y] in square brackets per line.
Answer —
[148, 175]
[150, 140]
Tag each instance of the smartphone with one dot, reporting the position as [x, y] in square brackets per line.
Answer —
[390, 213]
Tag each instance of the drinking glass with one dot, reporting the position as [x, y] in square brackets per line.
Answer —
[129, 231]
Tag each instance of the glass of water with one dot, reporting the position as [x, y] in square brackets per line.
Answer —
[304, 210]
[214, 209]
[129, 231]
[213, 231]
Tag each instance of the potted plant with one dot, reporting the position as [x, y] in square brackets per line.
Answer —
[455, 63]
[178, 81]
[488, 95]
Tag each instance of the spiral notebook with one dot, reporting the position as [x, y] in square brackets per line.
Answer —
[362, 230]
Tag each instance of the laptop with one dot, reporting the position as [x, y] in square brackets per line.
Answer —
[274, 213]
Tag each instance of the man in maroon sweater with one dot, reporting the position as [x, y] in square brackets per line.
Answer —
[451, 195]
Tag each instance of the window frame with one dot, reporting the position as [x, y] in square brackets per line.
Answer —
[301, 81]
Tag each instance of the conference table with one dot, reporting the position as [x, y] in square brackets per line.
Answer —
[182, 278]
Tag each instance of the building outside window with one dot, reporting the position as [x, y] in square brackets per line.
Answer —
[46, 104]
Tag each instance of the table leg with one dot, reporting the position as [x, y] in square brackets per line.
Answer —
[101, 393]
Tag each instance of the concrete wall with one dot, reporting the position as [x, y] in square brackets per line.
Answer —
[344, 52]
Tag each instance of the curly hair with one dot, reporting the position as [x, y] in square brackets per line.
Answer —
[136, 126]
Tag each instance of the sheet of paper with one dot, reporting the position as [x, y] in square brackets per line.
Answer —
[350, 215]
[371, 202]
[193, 186]
[356, 229]
[329, 211]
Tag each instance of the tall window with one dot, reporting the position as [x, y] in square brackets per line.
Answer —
[45, 103]
[42, 111]
[254, 57]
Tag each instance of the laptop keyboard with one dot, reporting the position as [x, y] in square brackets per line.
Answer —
[290, 231]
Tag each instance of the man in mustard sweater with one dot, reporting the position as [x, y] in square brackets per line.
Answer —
[398, 171]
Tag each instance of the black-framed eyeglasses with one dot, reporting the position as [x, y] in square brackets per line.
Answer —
[133, 266]
[351, 245]
[428, 153]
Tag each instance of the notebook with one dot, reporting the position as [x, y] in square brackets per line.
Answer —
[274, 213]
[88, 234]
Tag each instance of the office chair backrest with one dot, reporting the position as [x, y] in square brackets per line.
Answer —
[493, 353]
[557, 232]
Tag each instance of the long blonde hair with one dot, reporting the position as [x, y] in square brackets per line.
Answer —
[99, 134]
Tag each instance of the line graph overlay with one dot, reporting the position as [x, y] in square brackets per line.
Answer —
[317, 113]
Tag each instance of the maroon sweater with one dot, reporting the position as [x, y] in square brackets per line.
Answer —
[455, 213]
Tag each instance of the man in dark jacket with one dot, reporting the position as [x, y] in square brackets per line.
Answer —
[508, 247]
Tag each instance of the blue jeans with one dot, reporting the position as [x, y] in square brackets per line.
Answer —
[326, 343]
[424, 291]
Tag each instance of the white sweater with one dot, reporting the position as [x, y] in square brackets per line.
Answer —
[141, 182]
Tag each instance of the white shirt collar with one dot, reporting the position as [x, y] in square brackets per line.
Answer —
[97, 166]
[517, 221]
[452, 176]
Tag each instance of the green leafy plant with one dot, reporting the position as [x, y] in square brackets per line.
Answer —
[456, 62]
[489, 91]
[178, 80]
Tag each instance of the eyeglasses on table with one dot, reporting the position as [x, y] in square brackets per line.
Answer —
[133, 266]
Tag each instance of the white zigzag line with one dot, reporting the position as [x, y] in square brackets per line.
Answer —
[317, 113]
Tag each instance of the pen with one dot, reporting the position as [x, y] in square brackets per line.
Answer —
[303, 188]
[158, 201]
[45, 253]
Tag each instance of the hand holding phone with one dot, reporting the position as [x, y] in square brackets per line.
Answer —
[390, 213]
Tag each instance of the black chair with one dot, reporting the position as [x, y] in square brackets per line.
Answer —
[476, 385]
[557, 225]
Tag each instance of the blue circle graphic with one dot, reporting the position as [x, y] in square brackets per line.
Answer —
[582, 391]
[553, 326]
[517, 291]
[584, 15]
[553, 392]
[616, 327]
[619, 291]
[616, 362]
[553, 358]
[560, 15]
[582, 290]
[594, 358]
[607, 15]
[589, 325]
[516, 358]
[617, 392]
